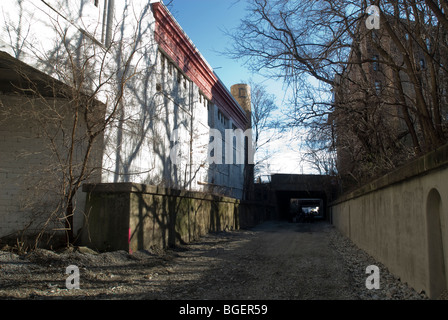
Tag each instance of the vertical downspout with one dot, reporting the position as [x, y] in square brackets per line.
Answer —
[110, 20]
[103, 32]
[191, 135]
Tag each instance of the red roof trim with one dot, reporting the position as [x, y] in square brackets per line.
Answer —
[176, 44]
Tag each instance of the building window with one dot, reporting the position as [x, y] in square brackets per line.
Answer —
[212, 152]
[242, 93]
[223, 152]
[163, 62]
[375, 63]
[378, 87]
[422, 64]
[222, 118]
[211, 109]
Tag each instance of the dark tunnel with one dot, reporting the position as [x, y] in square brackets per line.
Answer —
[292, 203]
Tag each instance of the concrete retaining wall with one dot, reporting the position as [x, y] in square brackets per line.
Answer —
[401, 220]
[132, 217]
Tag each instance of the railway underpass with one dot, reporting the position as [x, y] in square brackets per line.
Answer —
[302, 194]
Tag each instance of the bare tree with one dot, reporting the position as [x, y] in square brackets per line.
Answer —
[265, 125]
[383, 91]
[100, 111]
[72, 108]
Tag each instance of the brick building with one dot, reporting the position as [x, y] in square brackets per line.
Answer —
[390, 94]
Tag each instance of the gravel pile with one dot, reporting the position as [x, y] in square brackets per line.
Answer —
[391, 288]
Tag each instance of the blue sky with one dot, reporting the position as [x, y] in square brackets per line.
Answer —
[204, 21]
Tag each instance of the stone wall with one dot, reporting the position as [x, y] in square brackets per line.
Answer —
[132, 217]
[401, 220]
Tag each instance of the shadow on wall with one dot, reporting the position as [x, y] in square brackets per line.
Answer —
[140, 217]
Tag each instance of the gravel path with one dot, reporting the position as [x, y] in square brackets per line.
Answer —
[274, 261]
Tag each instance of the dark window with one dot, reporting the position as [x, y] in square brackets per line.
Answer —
[422, 64]
[378, 87]
[376, 63]
[163, 59]
[428, 43]
[210, 108]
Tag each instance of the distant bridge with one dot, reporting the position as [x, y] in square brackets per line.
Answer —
[309, 190]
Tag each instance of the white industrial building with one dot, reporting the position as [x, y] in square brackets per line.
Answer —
[107, 92]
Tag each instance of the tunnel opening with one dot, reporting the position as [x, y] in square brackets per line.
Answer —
[305, 210]
[296, 206]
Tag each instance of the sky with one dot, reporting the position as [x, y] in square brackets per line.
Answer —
[205, 22]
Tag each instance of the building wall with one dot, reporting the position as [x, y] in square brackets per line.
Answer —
[402, 221]
[377, 114]
[20, 158]
[175, 102]
[30, 170]
[210, 171]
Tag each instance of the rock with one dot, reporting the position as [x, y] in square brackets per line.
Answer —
[86, 250]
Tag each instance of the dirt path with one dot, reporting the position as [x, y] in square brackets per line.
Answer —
[276, 260]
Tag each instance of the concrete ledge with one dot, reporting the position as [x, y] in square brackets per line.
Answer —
[154, 190]
[131, 217]
[436, 159]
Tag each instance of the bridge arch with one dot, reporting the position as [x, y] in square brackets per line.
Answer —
[436, 247]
